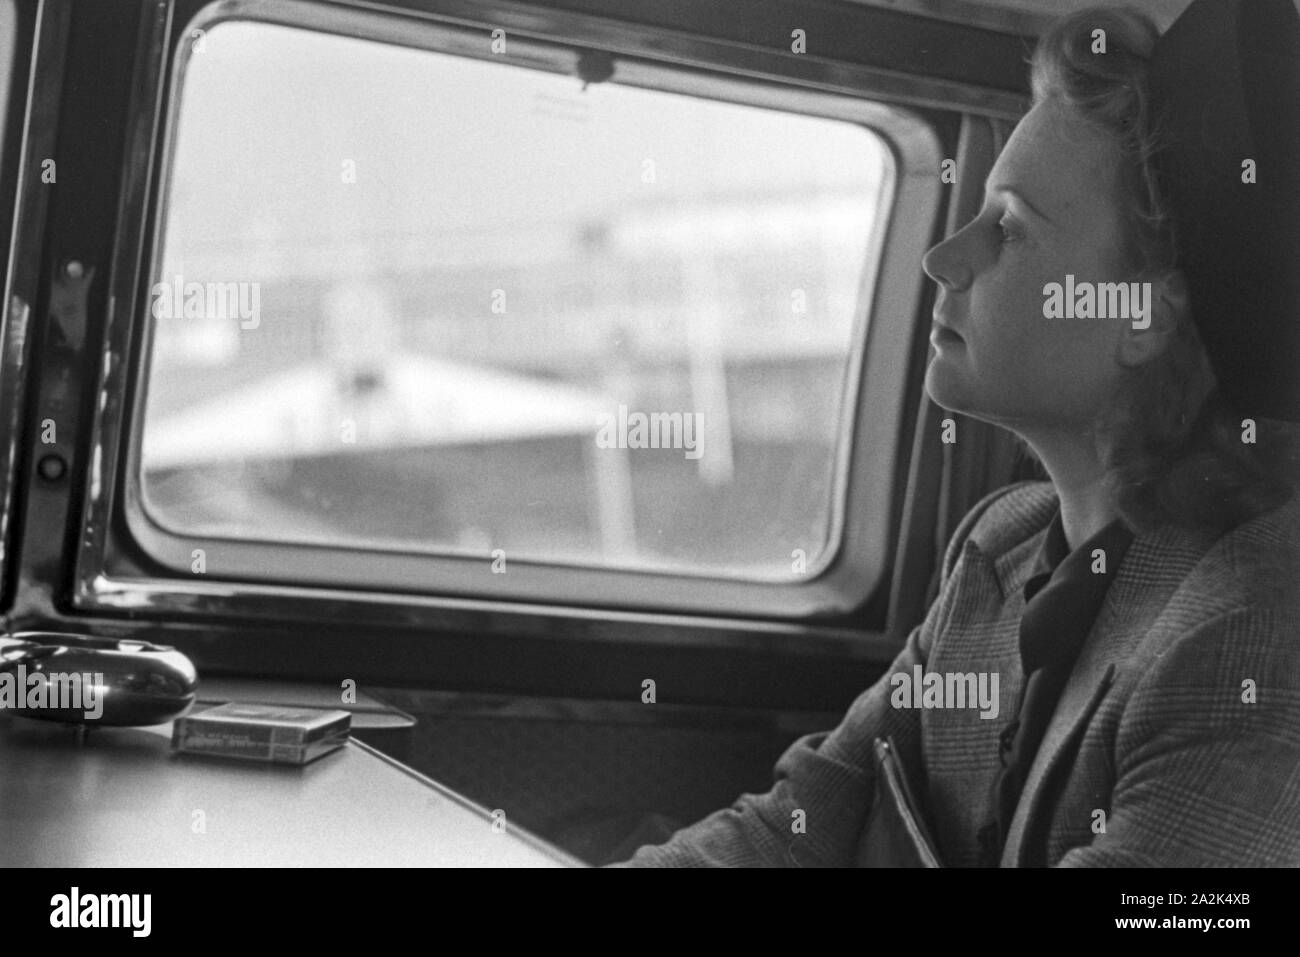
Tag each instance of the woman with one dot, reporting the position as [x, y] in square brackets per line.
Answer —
[1141, 609]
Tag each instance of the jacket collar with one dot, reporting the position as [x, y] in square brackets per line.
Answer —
[1156, 563]
[1004, 546]
[1012, 535]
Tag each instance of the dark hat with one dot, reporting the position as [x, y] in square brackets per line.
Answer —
[1225, 90]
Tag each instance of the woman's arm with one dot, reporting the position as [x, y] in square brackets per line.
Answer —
[827, 776]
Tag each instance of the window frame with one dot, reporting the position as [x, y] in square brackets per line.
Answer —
[25, 135]
[127, 565]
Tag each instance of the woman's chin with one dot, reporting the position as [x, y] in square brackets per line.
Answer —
[944, 387]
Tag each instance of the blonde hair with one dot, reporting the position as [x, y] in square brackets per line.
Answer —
[1171, 444]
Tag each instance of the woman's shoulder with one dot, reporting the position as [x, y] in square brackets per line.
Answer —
[1236, 613]
[1258, 562]
[1238, 596]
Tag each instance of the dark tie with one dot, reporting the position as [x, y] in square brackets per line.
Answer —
[1061, 606]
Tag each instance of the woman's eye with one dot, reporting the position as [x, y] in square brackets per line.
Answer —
[1009, 231]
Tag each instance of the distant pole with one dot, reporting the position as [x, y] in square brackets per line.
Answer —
[707, 364]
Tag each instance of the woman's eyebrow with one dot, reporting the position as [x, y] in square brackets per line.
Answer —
[1020, 196]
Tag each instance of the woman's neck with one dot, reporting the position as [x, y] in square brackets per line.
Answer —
[1080, 479]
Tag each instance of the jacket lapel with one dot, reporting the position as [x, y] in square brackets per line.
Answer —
[1080, 698]
[1155, 564]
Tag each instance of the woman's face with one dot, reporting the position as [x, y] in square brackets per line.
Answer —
[1051, 209]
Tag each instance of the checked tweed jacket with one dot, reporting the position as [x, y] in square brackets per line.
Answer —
[1176, 740]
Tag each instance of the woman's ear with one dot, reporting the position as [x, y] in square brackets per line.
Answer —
[1168, 304]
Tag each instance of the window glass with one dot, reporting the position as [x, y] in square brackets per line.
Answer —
[415, 301]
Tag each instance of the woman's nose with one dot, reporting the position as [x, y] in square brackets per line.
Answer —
[946, 264]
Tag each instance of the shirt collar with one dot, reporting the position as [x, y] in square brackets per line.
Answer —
[1056, 560]
[1065, 590]
[1054, 549]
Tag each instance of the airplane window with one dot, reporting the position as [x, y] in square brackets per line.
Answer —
[411, 300]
